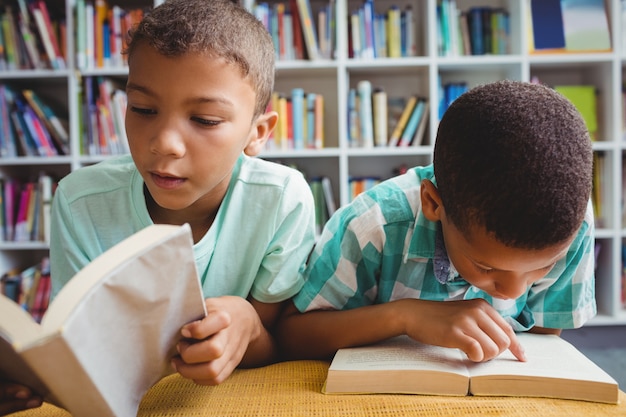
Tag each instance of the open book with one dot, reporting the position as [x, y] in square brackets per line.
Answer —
[554, 369]
[110, 333]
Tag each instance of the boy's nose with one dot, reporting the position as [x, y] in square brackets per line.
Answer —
[168, 141]
[511, 286]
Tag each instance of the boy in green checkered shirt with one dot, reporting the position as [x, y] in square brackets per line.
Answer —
[495, 237]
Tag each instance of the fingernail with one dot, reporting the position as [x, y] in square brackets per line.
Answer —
[185, 332]
[35, 402]
[22, 394]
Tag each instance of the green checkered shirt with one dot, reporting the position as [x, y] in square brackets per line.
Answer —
[381, 248]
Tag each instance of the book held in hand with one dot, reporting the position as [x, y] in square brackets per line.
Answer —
[554, 369]
[111, 332]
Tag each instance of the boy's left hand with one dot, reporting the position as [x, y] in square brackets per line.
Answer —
[214, 346]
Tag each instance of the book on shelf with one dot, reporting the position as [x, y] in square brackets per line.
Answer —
[394, 139]
[366, 125]
[380, 114]
[586, 26]
[29, 288]
[56, 127]
[308, 29]
[554, 369]
[584, 98]
[418, 113]
[569, 26]
[47, 33]
[121, 312]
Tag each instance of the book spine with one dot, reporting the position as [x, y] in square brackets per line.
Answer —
[90, 39]
[308, 29]
[364, 89]
[355, 35]
[310, 119]
[402, 121]
[393, 35]
[411, 125]
[353, 119]
[319, 122]
[379, 108]
[297, 105]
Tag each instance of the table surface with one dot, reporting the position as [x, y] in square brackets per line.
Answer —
[294, 389]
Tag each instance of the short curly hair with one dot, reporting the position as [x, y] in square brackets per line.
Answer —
[516, 159]
[217, 28]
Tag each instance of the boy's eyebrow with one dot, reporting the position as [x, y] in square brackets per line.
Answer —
[196, 99]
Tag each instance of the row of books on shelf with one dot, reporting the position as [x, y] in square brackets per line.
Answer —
[568, 26]
[25, 209]
[103, 109]
[300, 120]
[298, 31]
[374, 119]
[100, 33]
[29, 126]
[30, 38]
[358, 185]
[373, 34]
[30, 288]
[476, 31]
[323, 196]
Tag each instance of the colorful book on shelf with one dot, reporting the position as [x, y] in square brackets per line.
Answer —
[412, 124]
[55, 126]
[308, 29]
[585, 100]
[547, 24]
[394, 139]
[420, 132]
[569, 26]
[366, 125]
[379, 112]
[318, 131]
[47, 34]
[585, 25]
[125, 300]
[554, 369]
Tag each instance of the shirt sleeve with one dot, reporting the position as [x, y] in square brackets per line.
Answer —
[280, 273]
[342, 272]
[565, 299]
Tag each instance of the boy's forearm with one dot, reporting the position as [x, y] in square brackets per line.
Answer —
[318, 334]
[261, 351]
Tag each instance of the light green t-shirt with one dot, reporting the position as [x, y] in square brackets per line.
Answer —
[259, 241]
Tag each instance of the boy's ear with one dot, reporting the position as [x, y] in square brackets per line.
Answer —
[431, 201]
[264, 125]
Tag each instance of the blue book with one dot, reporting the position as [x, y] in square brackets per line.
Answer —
[476, 30]
[297, 108]
[547, 20]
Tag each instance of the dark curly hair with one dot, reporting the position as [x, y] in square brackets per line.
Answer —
[218, 28]
[516, 159]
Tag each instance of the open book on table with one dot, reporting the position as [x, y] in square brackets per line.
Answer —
[110, 333]
[554, 369]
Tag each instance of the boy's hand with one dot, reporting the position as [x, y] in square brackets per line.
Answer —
[214, 346]
[473, 326]
[15, 397]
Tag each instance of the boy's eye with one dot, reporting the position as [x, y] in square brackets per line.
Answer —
[205, 122]
[482, 270]
[142, 111]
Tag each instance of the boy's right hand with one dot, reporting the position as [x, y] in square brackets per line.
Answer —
[15, 397]
[473, 326]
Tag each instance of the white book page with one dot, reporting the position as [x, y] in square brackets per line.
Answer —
[547, 356]
[400, 353]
